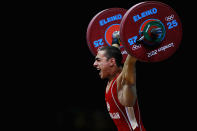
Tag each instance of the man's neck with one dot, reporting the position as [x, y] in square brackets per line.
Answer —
[115, 73]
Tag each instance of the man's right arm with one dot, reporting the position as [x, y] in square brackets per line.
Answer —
[116, 39]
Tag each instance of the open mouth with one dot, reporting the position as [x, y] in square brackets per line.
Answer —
[99, 71]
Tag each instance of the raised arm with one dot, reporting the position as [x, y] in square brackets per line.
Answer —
[129, 72]
[127, 79]
[127, 83]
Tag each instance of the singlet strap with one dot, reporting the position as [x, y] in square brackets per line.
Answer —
[114, 80]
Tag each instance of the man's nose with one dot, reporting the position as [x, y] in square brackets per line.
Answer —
[95, 64]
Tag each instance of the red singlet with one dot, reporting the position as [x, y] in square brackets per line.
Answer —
[120, 114]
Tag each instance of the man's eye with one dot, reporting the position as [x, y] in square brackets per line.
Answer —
[97, 59]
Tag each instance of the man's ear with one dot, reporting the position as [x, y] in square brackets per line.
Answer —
[112, 61]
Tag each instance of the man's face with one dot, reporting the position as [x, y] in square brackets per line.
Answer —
[102, 64]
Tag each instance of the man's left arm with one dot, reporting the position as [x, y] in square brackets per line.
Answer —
[127, 78]
[127, 82]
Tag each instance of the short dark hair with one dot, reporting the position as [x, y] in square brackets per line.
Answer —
[112, 52]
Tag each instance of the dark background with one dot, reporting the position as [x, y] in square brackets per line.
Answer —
[62, 89]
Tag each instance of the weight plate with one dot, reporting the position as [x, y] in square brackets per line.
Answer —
[101, 27]
[134, 21]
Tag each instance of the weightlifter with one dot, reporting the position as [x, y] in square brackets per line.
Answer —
[120, 94]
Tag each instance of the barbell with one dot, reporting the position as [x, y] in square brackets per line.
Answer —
[151, 31]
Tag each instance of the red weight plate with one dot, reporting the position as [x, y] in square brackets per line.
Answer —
[101, 27]
[132, 22]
